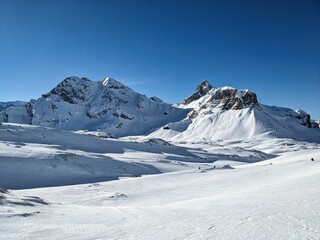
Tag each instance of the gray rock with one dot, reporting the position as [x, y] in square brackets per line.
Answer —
[202, 89]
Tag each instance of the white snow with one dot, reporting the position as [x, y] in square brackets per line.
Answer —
[106, 105]
[258, 201]
[242, 189]
[251, 173]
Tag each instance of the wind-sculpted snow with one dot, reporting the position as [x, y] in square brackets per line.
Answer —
[32, 156]
[163, 189]
[273, 199]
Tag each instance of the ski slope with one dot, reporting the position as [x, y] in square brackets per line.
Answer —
[274, 199]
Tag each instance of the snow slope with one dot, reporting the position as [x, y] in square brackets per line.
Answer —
[228, 113]
[275, 199]
[32, 156]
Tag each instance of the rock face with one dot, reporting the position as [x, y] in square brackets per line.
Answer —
[231, 98]
[226, 98]
[106, 105]
[202, 89]
[73, 90]
[305, 119]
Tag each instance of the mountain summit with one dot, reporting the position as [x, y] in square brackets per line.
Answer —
[106, 105]
[202, 89]
[229, 113]
[225, 98]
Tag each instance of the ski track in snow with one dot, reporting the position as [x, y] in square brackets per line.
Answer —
[261, 188]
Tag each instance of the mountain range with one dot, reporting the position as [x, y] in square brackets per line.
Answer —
[98, 160]
[208, 114]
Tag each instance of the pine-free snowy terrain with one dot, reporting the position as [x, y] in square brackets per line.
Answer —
[278, 201]
[220, 165]
[242, 191]
[106, 105]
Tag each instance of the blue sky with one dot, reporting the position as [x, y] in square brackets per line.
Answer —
[164, 48]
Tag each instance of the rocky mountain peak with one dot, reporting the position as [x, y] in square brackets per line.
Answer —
[202, 89]
[108, 105]
[226, 98]
[72, 89]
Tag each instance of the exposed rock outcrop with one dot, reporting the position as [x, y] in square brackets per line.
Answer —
[225, 98]
[202, 89]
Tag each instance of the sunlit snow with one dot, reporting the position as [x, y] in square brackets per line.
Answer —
[206, 173]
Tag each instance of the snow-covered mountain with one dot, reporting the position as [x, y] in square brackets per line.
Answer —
[5, 105]
[17, 110]
[106, 105]
[224, 147]
[209, 114]
[229, 113]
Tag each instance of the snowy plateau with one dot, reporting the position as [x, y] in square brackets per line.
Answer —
[97, 160]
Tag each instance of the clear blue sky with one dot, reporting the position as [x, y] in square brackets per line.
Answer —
[164, 48]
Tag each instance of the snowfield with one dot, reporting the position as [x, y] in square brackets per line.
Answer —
[263, 188]
[97, 160]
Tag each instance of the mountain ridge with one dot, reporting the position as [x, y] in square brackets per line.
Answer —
[106, 105]
[112, 107]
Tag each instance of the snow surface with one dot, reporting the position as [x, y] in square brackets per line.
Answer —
[249, 173]
[263, 188]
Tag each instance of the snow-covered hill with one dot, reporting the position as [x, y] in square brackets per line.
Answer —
[228, 113]
[106, 105]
